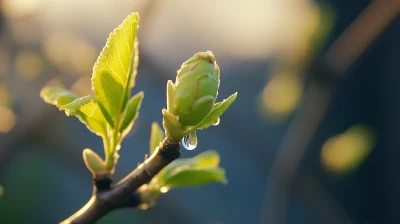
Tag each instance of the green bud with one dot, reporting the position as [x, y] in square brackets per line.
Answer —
[195, 89]
[94, 163]
[192, 97]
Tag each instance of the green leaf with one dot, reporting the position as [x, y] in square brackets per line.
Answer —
[57, 96]
[88, 111]
[199, 170]
[132, 112]
[85, 108]
[196, 177]
[73, 107]
[133, 72]
[156, 136]
[113, 72]
[216, 112]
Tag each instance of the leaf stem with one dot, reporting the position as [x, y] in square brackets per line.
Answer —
[115, 141]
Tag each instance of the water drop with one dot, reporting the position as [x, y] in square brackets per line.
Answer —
[189, 142]
[215, 123]
[164, 190]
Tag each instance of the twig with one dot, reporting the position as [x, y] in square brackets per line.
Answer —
[335, 63]
[107, 198]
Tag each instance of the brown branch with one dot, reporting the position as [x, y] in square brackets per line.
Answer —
[339, 57]
[106, 198]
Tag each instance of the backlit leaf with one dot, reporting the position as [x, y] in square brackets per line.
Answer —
[88, 111]
[57, 96]
[114, 69]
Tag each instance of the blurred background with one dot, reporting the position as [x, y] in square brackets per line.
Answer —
[348, 174]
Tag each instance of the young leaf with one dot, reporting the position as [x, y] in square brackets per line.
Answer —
[132, 112]
[88, 111]
[73, 107]
[196, 177]
[133, 72]
[57, 96]
[201, 169]
[216, 112]
[113, 70]
[156, 137]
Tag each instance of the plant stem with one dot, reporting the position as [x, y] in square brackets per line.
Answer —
[120, 195]
[115, 141]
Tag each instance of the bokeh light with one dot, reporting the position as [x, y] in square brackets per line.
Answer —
[19, 8]
[28, 65]
[7, 119]
[346, 151]
[70, 53]
[280, 97]
[82, 57]
[5, 97]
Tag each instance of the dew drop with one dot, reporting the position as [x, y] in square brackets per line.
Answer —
[164, 190]
[189, 142]
[215, 123]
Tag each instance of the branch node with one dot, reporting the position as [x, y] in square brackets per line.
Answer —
[103, 184]
[170, 151]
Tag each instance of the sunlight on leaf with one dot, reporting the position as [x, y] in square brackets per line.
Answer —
[88, 111]
[112, 73]
[57, 96]
[157, 135]
[85, 108]
[73, 107]
[345, 152]
[216, 112]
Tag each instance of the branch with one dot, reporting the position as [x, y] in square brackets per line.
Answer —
[107, 198]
